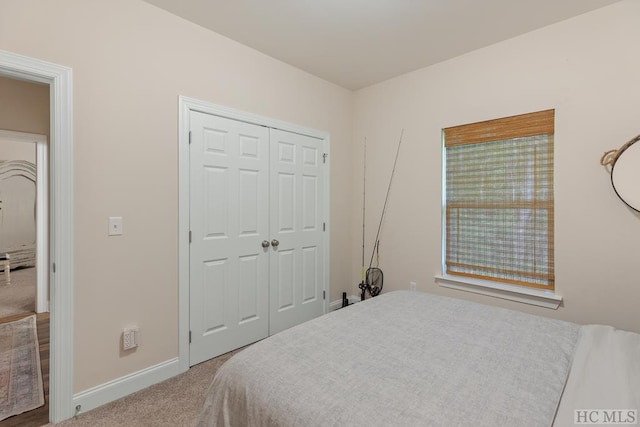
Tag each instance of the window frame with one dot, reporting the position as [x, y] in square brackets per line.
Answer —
[524, 125]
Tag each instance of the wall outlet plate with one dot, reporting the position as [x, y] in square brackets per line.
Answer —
[130, 338]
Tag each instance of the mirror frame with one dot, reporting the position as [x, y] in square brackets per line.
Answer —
[619, 153]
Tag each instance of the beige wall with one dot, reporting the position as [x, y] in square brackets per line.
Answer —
[587, 69]
[130, 63]
[13, 150]
[24, 106]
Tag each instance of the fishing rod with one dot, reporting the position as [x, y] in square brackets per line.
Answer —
[374, 278]
[363, 284]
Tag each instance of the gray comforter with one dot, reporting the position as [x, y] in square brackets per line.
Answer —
[401, 359]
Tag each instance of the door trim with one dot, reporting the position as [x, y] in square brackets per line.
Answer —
[186, 105]
[59, 79]
[42, 213]
[42, 226]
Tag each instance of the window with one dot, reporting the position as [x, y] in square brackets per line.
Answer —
[499, 200]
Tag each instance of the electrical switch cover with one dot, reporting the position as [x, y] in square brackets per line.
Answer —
[115, 226]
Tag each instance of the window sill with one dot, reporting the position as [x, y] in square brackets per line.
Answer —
[541, 298]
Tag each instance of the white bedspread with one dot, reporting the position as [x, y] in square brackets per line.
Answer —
[400, 359]
[605, 376]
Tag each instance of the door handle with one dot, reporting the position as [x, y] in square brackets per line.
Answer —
[275, 243]
[265, 243]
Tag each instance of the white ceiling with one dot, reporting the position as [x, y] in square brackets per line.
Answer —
[356, 43]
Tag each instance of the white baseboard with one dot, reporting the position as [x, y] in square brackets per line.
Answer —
[334, 305]
[123, 386]
[353, 299]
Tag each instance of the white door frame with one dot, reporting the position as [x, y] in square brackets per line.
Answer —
[59, 79]
[42, 213]
[186, 106]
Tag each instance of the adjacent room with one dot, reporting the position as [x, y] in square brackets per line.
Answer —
[390, 205]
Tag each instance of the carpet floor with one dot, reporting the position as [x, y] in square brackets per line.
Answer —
[21, 387]
[174, 402]
[20, 295]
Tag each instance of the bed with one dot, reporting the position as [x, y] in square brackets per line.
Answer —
[418, 359]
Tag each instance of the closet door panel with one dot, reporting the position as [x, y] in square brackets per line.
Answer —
[256, 254]
[229, 210]
[297, 270]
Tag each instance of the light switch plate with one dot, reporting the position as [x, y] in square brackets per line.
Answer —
[115, 226]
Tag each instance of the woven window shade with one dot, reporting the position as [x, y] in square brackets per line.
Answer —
[499, 200]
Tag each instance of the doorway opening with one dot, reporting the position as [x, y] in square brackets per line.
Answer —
[24, 215]
[24, 219]
[59, 270]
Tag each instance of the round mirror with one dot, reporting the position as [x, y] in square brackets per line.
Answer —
[625, 174]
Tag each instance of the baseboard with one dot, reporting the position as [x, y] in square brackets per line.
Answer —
[334, 305]
[123, 386]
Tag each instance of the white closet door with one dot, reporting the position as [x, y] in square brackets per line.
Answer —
[229, 210]
[297, 262]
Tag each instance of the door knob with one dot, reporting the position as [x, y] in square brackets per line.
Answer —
[275, 243]
[265, 243]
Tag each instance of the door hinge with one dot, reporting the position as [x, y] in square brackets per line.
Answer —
[324, 226]
[189, 337]
[189, 236]
[53, 267]
[189, 137]
[324, 157]
[324, 295]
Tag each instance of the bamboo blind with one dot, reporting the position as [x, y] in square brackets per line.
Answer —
[531, 124]
[499, 200]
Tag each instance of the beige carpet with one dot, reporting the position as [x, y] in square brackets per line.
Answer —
[175, 402]
[20, 295]
[21, 386]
